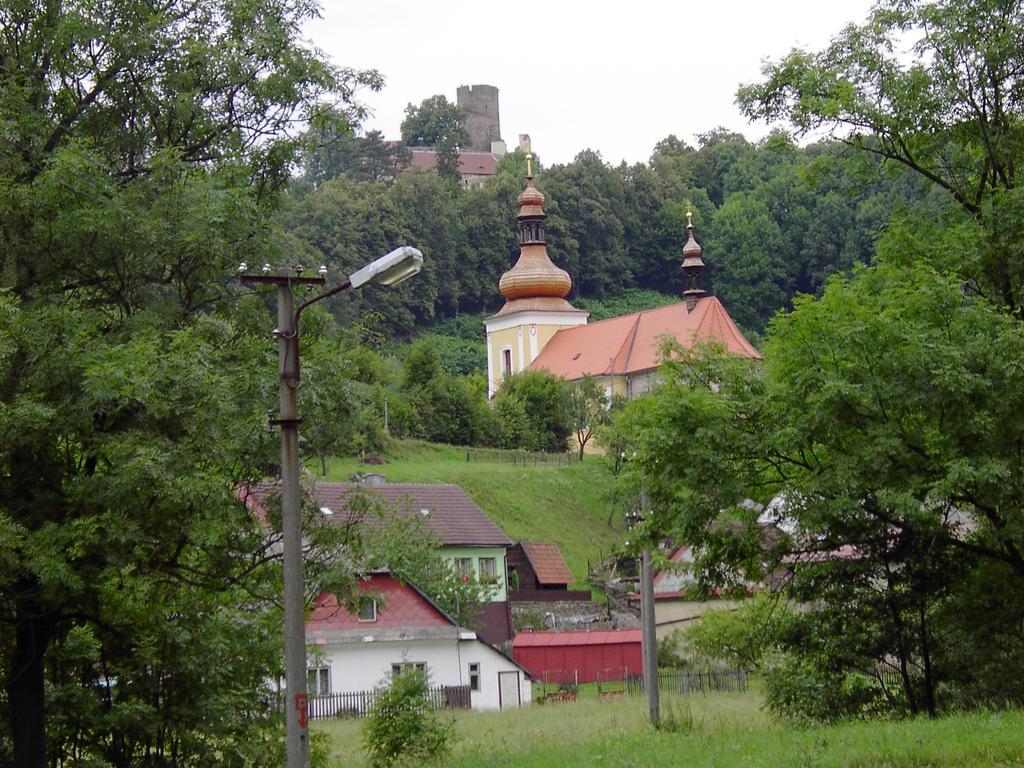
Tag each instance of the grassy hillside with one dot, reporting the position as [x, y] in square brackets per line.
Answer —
[567, 505]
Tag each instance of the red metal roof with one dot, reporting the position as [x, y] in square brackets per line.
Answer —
[451, 514]
[547, 563]
[632, 343]
[598, 637]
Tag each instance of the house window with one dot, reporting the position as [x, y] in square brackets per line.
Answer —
[488, 570]
[399, 668]
[464, 566]
[318, 681]
[506, 363]
[368, 610]
[474, 676]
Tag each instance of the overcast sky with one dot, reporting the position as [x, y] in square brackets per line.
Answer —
[616, 78]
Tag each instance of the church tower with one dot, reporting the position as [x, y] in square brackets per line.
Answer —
[534, 290]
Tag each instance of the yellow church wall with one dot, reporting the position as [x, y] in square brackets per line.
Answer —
[500, 340]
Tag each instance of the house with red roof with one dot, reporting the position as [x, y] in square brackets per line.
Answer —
[475, 166]
[538, 329]
[398, 627]
[469, 540]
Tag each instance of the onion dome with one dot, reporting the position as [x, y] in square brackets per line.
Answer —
[534, 282]
[693, 266]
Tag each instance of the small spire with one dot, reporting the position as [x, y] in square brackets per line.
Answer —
[693, 266]
[529, 165]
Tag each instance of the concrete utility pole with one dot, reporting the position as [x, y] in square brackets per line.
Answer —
[649, 639]
[391, 269]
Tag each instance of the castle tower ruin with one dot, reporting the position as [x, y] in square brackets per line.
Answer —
[480, 103]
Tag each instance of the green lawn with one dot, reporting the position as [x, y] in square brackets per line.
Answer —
[714, 730]
[567, 505]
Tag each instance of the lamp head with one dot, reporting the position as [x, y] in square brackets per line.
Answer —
[391, 269]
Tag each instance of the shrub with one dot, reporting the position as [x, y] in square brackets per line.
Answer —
[402, 727]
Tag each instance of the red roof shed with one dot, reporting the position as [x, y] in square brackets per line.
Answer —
[584, 657]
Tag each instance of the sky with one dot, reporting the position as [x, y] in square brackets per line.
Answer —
[612, 77]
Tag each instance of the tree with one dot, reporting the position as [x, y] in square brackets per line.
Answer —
[589, 409]
[359, 158]
[952, 114]
[144, 148]
[534, 409]
[887, 421]
[439, 124]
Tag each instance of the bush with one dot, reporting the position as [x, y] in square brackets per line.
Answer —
[402, 727]
[799, 689]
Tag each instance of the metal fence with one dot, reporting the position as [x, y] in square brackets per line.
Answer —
[693, 681]
[359, 703]
[521, 458]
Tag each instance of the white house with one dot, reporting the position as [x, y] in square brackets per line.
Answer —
[352, 652]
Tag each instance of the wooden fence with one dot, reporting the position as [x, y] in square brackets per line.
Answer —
[693, 681]
[521, 458]
[359, 703]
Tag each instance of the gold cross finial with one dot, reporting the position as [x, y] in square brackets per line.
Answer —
[689, 219]
[529, 165]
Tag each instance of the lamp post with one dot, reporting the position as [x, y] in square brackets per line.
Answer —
[400, 264]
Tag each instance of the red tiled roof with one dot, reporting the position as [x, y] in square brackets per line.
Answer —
[400, 606]
[452, 515]
[632, 343]
[470, 163]
[547, 563]
[599, 637]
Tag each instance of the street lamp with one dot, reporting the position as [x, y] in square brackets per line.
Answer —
[401, 264]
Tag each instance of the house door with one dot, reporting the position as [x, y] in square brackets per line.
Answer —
[509, 695]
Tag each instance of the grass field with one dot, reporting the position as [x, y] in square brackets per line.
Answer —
[713, 731]
[567, 505]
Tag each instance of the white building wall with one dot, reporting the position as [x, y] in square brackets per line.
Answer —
[364, 666]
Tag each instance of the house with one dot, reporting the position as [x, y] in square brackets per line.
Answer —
[580, 657]
[538, 329]
[674, 606]
[469, 540]
[398, 627]
[538, 567]
[475, 167]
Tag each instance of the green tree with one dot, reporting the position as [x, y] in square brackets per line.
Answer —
[534, 410]
[143, 151]
[950, 113]
[439, 124]
[589, 409]
[887, 421]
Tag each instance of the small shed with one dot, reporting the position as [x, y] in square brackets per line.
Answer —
[583, 657]
[538, 566]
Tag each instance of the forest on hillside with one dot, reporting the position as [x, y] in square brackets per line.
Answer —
[775, 220]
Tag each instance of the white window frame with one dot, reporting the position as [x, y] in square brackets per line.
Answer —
[474, 675]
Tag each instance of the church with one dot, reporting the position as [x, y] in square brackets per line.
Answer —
[538, 329]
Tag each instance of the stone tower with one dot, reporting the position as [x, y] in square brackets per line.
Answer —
[480, 103]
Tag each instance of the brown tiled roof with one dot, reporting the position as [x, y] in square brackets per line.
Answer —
[547, 562]
[453, 516]
[470, 163]
[632, 343]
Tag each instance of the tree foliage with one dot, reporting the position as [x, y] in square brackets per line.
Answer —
[885, 424]
[951, 112]
[441, 125]
[144, 149]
